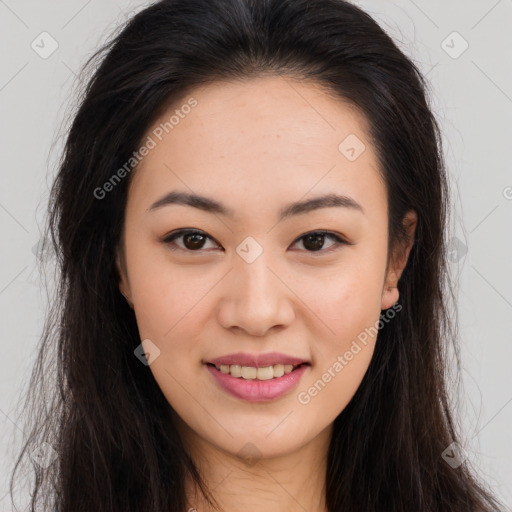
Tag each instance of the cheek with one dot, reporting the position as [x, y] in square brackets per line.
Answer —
[347, 296]
[340, 360]
[347, 303]
[349, 306]
[167, 296]
[170, 311]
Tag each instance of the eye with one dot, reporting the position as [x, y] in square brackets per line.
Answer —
[315, 240]
[194, 240]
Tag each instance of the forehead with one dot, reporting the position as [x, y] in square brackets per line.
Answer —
[268, 137]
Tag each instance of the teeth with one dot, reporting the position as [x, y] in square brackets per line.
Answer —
[251, 373]
[248, 372]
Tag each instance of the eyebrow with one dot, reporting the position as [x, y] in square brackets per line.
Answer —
[298, 208]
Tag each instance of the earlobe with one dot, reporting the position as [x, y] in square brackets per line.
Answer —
[390, 296]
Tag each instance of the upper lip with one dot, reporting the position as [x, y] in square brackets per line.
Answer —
[257, 360]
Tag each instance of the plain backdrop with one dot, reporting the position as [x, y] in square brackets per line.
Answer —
[463, 47]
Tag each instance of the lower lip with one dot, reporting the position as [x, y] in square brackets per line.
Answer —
[258, 390]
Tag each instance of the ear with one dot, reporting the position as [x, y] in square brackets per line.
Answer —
[124, 285]
[398, 262]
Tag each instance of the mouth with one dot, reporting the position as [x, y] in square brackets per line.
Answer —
[257, 384]
[257, 373]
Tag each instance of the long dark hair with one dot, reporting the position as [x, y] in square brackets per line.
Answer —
[110, 427]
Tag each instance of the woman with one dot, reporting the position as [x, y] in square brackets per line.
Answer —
[249, 218]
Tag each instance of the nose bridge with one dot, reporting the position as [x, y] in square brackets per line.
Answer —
[256, 300]
[254, 282]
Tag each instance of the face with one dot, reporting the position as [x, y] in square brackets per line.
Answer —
[257, 275]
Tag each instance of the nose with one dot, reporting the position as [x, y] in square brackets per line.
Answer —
[255, 298]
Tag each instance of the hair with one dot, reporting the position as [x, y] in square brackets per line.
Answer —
[114, 434]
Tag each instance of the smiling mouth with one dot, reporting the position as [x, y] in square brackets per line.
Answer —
[252, 373]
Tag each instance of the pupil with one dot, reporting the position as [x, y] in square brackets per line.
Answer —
[192, 241]
[317, 241]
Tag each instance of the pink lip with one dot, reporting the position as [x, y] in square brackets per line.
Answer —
[258, 390]
[257, 360]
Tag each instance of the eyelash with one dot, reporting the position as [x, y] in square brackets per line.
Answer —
[180, 233]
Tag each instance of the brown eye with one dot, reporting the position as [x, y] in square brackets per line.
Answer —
[192, 240]
[314, 242]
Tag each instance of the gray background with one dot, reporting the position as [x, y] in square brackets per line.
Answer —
[471, 95]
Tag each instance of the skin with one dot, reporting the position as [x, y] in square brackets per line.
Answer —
[257, 146]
